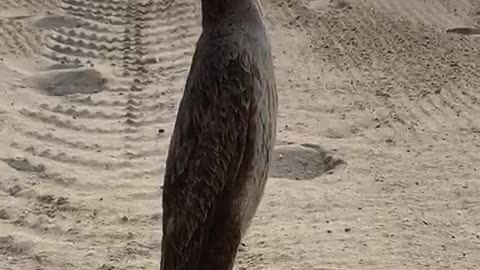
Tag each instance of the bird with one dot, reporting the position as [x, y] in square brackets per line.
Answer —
[222, 143]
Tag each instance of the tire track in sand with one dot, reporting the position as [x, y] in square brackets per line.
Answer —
[98, 129]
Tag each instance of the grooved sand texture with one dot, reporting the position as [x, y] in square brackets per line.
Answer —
[378, 151]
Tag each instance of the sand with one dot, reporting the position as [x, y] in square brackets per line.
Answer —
[378, 150]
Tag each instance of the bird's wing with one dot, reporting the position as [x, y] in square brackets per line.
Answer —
[205, 155]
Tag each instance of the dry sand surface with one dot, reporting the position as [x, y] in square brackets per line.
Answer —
[378, 151]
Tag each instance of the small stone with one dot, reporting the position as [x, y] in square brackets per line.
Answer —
[4, 214]
[62, 201]
[46, 198]
[14, 190]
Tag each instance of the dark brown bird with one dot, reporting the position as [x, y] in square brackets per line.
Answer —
[221, 147]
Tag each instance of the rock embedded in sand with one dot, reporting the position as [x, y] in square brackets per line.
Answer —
[72, 81]
[4, 214]
[302, 161]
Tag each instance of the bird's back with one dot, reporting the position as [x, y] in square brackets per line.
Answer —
[216, 135]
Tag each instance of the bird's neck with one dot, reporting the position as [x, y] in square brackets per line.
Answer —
[214, 11]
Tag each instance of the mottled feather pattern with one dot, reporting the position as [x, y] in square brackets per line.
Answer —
[220, 148]
[214, 127]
